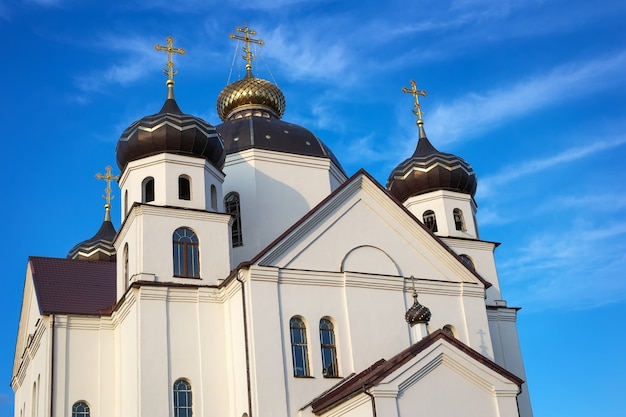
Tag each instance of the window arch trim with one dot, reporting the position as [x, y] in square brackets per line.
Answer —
[81, 409]
[430, 220]
[183, 398]
[147, 190]
[328, 346]
[299, 347]
[184, 187]
[186, 253]
[232, 206]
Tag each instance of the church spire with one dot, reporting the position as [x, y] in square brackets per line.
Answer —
[169, 71]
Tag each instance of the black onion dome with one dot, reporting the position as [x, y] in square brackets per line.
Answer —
[170, 131]
[430, 170]
[417, 313]
[99, 247]
[251, 109]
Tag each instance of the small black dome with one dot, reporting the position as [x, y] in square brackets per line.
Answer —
[430, 170]
[99, 247]
[170, 131]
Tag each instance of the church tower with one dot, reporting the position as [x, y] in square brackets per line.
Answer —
[438, 188]
[171, 182]
[277, 171]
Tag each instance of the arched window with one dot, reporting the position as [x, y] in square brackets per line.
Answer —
[232, 207]
[182, 399]
[299, 350]
[329, 352]
[213, 198]
[186, 253]
[459, 222]
[467, 260]
[449, 330]
[125, 203]
[125, 256]
[34, 400]
[430, 221]
[80, 409]
[184, 188]
[147, 190]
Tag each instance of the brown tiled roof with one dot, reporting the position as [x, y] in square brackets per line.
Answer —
[68, 286]
[358, 383]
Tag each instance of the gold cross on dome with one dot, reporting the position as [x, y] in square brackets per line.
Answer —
[170, 50]
[247, 40]
[416, 104]
[107, 178]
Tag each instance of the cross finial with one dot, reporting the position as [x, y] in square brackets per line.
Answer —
[414, 291]
[108, 177]
[416, 104]
[247, 40]
[170, 50]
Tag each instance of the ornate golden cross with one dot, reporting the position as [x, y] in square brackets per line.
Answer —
[416, 105]
[247, 40]
[108, 178]
[170, 50]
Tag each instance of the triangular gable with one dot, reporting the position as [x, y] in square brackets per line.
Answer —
[361, 225]
[436, 364]
[29, 317]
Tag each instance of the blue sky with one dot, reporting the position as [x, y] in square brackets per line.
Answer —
[531, 93]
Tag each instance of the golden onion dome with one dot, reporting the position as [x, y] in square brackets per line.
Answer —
[250, 92]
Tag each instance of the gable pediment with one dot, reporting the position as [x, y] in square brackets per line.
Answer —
[361, 229]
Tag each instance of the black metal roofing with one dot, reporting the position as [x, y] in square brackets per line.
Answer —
[99, 247]
[170, 131]
[272, 134]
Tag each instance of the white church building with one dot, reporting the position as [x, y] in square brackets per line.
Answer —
[250, 277]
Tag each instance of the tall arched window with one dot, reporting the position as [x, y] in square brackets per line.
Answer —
[467, 260]
[430, 221]
[125, 203]
[184, 188]
[213, 198]
[186, 253]
[33, 403]
[299, 350]
[459, 222]
[329, 352]
[232, 207]
[80, 409]
[125, 260]
[182, 399]
[147, 190]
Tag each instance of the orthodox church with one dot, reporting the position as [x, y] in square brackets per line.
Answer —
[251, 277]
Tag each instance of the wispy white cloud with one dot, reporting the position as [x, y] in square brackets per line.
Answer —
[136, 58]
[303, 56]
[576, 268]
[478, 112]
[534, 166]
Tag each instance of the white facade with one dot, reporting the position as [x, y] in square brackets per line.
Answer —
[315, 247]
